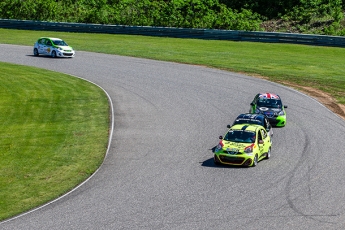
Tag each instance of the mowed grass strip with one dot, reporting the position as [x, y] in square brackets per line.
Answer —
[53, 135]
[318, 67]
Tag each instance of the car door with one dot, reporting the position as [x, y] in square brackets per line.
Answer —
[41, 46]
[265, 144]
[49, 47]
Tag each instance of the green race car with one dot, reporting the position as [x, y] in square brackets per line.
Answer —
[271, 106]
[243, 144]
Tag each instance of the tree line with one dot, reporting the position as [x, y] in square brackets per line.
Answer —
[209, 14]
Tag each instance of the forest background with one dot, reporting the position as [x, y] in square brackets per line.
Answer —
[293, 16]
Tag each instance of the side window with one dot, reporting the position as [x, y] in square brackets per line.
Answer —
[41, 41]
[260, 135]
[49, 43]
[263, 133]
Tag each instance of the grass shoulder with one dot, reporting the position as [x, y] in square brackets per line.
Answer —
[54, 134]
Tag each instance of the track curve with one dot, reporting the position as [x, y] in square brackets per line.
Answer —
[159, 173]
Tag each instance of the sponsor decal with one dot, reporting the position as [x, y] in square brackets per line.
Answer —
[232, 150]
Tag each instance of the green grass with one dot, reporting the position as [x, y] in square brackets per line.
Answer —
[318, 67]
[53, 135]
[54, 127]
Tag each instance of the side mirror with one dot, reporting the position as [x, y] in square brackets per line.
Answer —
[252, 104]
[261, 142]
[221, 137]
[285, 106]
[228, 126]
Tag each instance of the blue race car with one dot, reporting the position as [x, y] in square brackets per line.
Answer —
[256, 119]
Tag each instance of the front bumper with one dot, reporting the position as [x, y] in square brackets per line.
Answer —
[62, 53]
[233, 159]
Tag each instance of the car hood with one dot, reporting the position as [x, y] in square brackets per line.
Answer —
[233, 147]
[269, 112]
[65, 47]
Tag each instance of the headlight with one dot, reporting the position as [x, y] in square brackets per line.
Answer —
[257, 111]
[219, 146]
[59, 48]
[281, 113]
[249, 149]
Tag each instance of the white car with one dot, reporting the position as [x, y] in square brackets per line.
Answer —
[54, 47]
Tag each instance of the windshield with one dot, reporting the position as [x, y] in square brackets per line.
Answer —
[240, 136]
[59, 43]
[247, 121]
[270, 103]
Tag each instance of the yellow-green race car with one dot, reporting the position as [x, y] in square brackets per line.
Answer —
[243, 145]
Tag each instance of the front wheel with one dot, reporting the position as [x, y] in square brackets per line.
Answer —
[36, 52]
[268, 154]
[255, 161]
[53, 54]
[216, 161]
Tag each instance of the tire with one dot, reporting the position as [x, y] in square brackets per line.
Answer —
[268, 154]
[36, 52]
[255, 161]
[53, 54]
[215, 160]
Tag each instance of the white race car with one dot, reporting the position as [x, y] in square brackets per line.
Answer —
[54, 47]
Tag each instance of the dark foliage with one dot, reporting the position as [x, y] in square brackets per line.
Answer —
[298, 15]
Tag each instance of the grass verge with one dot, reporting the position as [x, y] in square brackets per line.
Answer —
[312, 66]
[53, 135]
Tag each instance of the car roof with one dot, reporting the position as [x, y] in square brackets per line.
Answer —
[50, 38]
[269, 96]
[246, 127]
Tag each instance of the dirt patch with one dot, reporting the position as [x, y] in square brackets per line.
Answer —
[324, 98]
[315, 26]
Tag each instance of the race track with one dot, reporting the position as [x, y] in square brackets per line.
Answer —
[159, 173]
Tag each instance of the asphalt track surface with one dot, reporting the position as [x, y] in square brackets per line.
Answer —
[159, 172]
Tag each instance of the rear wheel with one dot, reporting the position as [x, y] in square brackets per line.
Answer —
[53, 54]
[36, 52]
